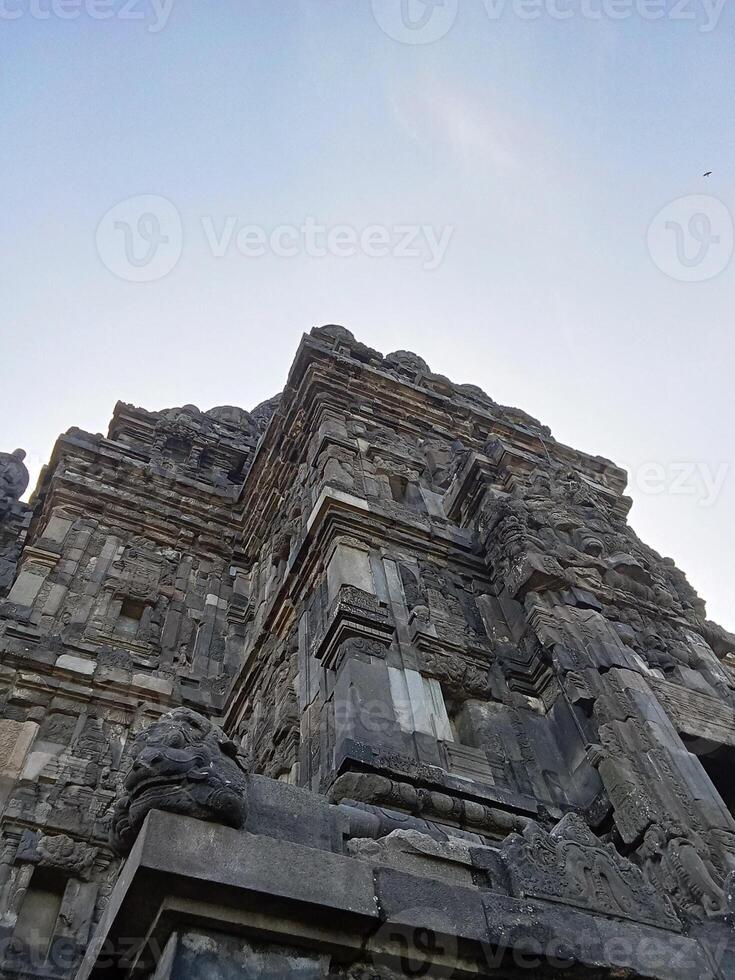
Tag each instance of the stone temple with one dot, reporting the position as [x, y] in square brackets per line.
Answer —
[374, 681]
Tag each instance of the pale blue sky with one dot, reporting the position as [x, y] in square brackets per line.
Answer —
[545, 147]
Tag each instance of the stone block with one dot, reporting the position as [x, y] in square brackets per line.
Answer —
[278, 810]
[54, 601]
[162, 686]
[57, 529]
[417, 853]
[77, 665]
[25, 588]
[349, 565]
[16, 738]
[216, 855]
[421, 902]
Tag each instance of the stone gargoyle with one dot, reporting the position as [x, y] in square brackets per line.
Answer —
[181, 764]
[13, 479]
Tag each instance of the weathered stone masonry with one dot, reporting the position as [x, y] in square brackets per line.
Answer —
[373, 679]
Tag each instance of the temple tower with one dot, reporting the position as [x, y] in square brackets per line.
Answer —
[372, 680]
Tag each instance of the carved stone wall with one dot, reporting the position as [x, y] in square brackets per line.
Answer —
[125, 603]
[391, 592]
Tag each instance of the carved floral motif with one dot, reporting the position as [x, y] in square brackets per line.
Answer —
[571, 865]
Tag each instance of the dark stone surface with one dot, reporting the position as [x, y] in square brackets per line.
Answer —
[219, 957]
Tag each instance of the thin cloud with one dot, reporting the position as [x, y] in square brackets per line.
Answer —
[475, 134]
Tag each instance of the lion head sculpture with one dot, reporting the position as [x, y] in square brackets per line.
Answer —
[181, 764]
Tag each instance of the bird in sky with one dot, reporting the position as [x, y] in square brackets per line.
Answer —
[708, 173]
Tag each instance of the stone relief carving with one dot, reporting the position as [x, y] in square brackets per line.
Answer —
[569, 864]
[381, 791]
[679, 863]
[58, 851]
